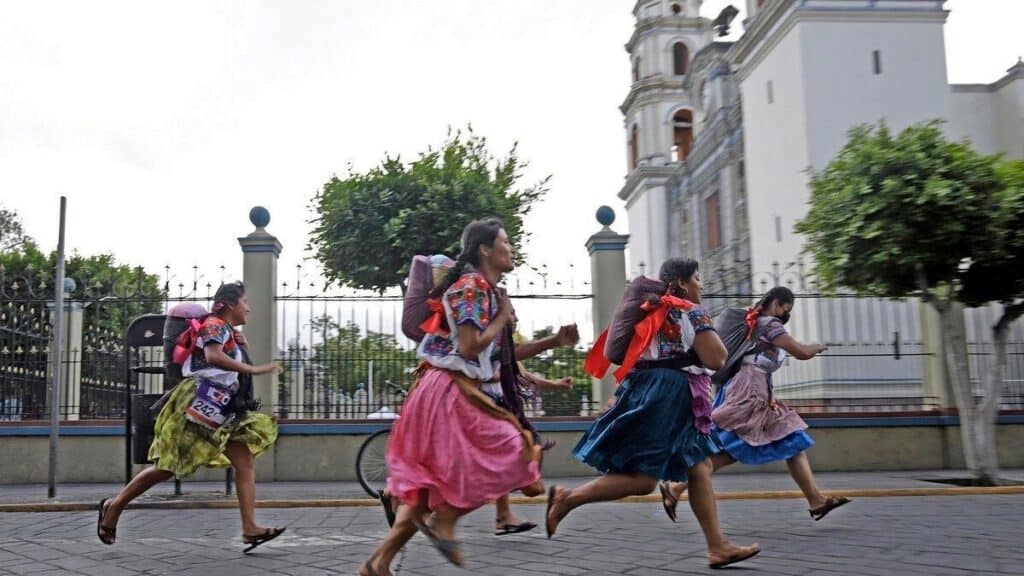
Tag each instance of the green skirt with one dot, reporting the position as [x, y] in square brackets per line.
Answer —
[182, 447]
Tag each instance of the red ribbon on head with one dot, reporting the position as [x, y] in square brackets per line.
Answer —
[435, 323]
[643, 333]
[751, 320]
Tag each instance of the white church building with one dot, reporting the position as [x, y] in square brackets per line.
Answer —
[720, 135]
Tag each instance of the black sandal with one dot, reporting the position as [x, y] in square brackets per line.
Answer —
[448, 548]
[259, 539]
[389, 507]
[106, 535]
[369, 569]
[668, 501]
[503, 529]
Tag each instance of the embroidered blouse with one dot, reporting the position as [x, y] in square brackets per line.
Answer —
[469, 300]
[768, 357]
[213, 331]
[676, 337]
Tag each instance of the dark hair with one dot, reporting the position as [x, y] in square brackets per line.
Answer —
[229, 293]
[779, 294]
[476, 234]
[677, 269]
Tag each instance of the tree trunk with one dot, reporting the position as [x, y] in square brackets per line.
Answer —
[955, 352]
[988, 454]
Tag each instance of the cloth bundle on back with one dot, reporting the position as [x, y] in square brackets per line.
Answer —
[422, 315]
[737, 327]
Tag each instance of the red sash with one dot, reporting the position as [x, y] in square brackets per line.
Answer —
[435, 323]
[643, 333]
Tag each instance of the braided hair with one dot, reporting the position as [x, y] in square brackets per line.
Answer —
[476, 234]
[675, 269]
[229, 293]
[779, 294]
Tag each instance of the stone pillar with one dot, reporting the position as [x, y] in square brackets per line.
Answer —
[607, 250]
[260, 251]
[71, 345]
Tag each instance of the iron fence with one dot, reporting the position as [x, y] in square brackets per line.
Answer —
[345, 357]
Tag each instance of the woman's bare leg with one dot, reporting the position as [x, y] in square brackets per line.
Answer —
[705, 508]
[607, 487]
[245, 484]
[800, 470]
[142, 482]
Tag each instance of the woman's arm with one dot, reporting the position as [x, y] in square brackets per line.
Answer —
[710, 349]
[566, 336]
[706, 343]
[796, 349]
[544, 383]
[473, 341]
[215, 355]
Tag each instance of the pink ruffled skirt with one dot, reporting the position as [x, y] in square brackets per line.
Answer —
[459, 454]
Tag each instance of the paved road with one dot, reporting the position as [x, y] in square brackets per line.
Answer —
[874, 536]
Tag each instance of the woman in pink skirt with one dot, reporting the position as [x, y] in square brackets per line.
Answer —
[454, 449]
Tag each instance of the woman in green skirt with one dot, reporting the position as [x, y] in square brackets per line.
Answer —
[205, 422]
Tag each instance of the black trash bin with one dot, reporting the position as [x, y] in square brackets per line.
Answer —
[143, 423]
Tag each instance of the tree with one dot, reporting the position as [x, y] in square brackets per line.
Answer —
[368, 226]
[903, 216]
[116, 292]
[996, 276]
[12, 235]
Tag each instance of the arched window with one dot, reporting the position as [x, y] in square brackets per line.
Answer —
[682, 133]
[634, 148]
[636, 70]
[680, 58]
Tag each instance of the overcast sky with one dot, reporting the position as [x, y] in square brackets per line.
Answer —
[163, 123]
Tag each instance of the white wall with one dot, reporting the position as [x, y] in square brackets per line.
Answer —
[974, 118]
[775, 148]
[817, 101]
[1010, 118]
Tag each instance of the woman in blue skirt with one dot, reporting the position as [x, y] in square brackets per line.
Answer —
[651, 431]
[751, 425]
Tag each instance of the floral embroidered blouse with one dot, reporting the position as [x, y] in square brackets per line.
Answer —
[767, 356]
[677, 335]
[213, 331]
[469, 300]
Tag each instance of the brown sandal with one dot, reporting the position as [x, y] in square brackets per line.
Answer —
[830, 504]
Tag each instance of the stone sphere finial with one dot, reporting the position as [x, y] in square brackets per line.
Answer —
[605, 215]
[259, 216]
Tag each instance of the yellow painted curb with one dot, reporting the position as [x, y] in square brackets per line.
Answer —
[650, 498]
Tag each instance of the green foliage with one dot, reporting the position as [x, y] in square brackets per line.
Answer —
[890, 216]
[116, 293]
[997, 275]
[367, 227]
[554, 365]
[12, 235]
[344, 353]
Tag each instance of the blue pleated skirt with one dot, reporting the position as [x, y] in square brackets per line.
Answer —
[781, 449]
[649, 430]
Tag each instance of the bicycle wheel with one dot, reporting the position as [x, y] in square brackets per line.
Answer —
[371, 463]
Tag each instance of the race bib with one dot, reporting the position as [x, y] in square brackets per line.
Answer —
[209, 407]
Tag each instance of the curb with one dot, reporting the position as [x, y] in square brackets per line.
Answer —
[650, 498]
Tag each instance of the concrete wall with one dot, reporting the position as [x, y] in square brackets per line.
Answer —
[843, 444]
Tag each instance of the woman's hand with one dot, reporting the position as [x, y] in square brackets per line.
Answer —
[268, 368]
[563, 384]
[567, 335]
